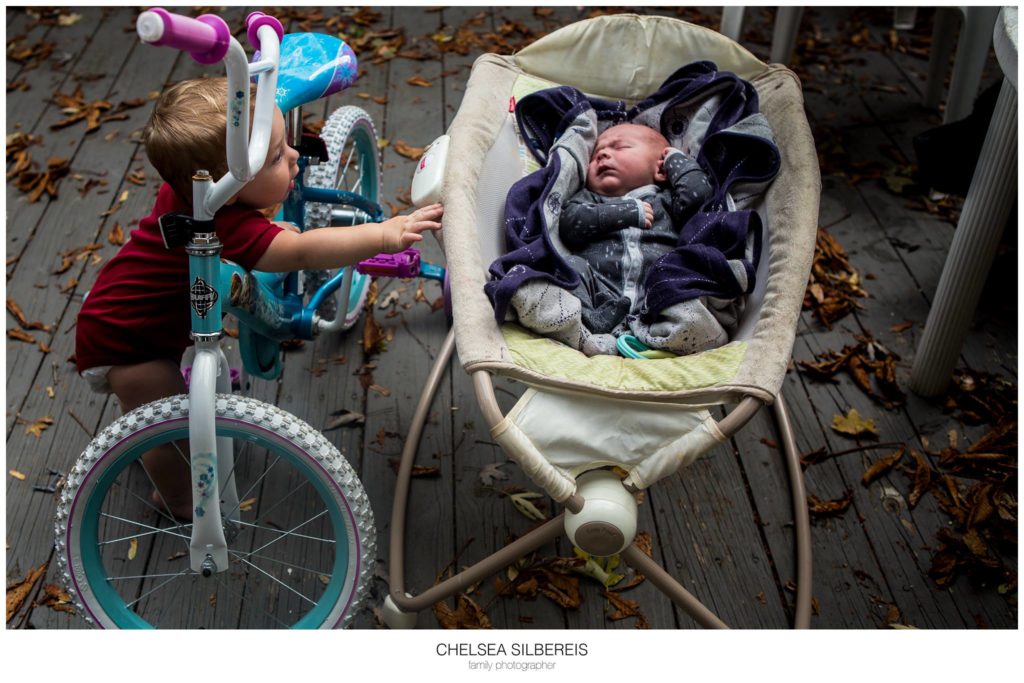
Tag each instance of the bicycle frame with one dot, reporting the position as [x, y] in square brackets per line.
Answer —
[280, 312]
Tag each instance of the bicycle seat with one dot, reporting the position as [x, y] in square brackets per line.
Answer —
[313, 65]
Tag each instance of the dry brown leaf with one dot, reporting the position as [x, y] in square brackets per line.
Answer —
[407, 150]
[467, 614]
[56, 598]
[17, 593]
[419, 81]
[828, 508]
[36, 428]
[901, 327]
[373, 335]
[922, 478]
[881, 466]
[419, 471]
[625, 608]
[116, 235]
[20, 335]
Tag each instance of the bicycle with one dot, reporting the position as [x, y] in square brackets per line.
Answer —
[287, 495]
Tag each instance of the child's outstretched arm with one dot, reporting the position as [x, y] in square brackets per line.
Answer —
[345, 246]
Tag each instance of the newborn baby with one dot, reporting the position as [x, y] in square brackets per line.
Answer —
[639, 192]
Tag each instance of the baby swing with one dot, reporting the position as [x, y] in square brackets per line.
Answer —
[644, 417]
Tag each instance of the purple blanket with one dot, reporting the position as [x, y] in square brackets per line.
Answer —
[730, 149]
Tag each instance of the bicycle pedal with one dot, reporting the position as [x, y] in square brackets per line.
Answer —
[404, 264]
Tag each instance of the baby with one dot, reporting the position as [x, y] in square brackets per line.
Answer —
[639, 192]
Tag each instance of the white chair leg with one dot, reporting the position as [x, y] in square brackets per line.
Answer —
[993, 191]
[787, 24]
[732, 22]
[395, 618]
[943, 32]
[971, 53]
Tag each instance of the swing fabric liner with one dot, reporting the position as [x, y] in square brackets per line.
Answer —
[648, 417]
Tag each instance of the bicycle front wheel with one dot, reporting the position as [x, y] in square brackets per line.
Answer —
[301, 554]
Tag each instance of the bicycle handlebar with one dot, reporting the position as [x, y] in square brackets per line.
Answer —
[206, 38]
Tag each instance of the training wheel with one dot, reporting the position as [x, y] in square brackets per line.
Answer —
[395, 618]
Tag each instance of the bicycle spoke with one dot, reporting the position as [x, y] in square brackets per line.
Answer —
[278, 531]
[264, 558]
[285, 534]
[348, 161]
[276, 505]
[166, 512]
[152, 530]
[277, 580]
[252, 488]
[156, 588]
[141, 576]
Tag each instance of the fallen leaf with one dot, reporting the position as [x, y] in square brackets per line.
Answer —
[56, 598]
[247, 504]
[491, 473]
[901, 327]
[36, 428]
[17, 593]
[407, 150]
[133, 548]
[466, 614]
[16, 474]
[21, 335]
[419, 81]
[625, 609]
[522, 503]
[922, 478]
[116, 235]
[373, 335]
[854, 425]
[828, 508]
[881, 466]
[344, 418]
[419, 471]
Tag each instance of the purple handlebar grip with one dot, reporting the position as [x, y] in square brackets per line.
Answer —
[205, 38]
[253, 23]
[404, 264]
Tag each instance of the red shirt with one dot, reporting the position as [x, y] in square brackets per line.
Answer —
[138, 310]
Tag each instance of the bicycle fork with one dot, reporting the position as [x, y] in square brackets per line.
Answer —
[212, 457]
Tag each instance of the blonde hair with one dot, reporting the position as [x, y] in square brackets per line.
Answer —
[186, 132]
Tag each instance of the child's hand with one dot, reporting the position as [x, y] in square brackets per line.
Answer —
[648, 215]
[401, 232]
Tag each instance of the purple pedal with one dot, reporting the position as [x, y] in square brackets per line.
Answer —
[404, 264]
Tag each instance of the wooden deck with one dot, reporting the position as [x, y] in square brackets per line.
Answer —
[723, 525]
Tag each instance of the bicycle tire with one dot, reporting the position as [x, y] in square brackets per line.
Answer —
[100, 511]
[349, 130]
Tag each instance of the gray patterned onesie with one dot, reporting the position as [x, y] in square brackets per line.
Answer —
[613, 252]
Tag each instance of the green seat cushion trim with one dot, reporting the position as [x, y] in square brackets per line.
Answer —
[556, 360]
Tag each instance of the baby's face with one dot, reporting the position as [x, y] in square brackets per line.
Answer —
[627, 156]
[275, 180]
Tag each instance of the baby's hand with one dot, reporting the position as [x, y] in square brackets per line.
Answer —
[648, 215]
[401, 232]
[664, 155]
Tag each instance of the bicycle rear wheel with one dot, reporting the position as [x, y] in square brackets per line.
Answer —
[354, 166]
[302, 555]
